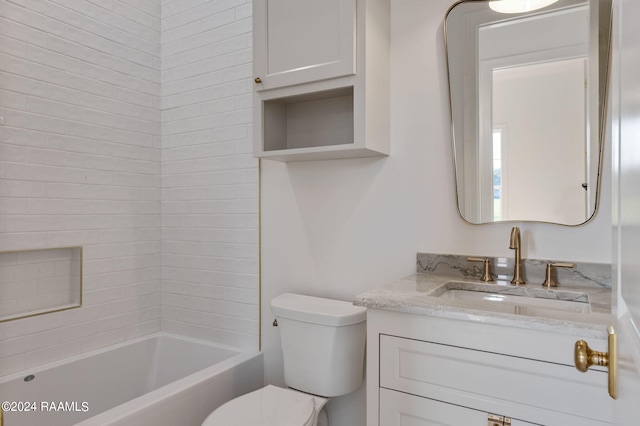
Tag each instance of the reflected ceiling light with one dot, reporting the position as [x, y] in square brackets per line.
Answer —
[519, 6]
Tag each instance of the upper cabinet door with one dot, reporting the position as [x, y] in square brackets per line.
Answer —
[301, 41]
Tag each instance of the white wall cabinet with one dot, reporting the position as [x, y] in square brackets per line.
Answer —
[299, 41]
[321, 79]
[427, 371]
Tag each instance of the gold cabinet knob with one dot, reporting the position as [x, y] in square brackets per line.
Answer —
[584, 357]
[258, 80]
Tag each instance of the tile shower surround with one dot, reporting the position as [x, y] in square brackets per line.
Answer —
[534, 270]
[105, 105]
[80, 164]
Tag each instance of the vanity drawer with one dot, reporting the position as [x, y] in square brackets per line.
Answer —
[401, 409]
[519, 387]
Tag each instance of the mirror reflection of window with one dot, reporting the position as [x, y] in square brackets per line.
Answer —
[498, 194]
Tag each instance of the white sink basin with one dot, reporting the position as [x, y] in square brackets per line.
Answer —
[518, 300]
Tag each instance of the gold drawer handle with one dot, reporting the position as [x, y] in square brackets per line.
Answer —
[584, 357]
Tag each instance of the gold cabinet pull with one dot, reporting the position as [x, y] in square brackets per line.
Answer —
[584, 357]
[258, 80]
[497, 420]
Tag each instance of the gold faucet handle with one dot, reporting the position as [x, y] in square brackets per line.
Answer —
[486, 270]
[549, 281]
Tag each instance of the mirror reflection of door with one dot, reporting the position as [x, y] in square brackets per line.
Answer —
[533, 139]
[546, 145]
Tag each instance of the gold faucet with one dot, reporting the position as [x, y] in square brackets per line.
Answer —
[514, 243]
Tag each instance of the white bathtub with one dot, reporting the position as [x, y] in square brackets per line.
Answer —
[157, 380]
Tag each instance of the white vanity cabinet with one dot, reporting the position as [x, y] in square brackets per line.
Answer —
[426, 370]
[321, 79]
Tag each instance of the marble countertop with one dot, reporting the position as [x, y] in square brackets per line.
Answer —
[419, 294]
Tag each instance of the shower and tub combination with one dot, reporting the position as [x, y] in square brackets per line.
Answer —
[160, 380]
[110, 148]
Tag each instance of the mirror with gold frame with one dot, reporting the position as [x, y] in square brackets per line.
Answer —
[527, 91]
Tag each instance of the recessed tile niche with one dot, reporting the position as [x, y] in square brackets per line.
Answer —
[35, 282]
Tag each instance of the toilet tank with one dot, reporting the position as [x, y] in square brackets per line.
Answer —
[323, 343]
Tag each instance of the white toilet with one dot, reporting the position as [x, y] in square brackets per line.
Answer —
[323, 344]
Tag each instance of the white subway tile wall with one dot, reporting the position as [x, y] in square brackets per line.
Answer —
[209, 177]
[125, 127]
[80, 164]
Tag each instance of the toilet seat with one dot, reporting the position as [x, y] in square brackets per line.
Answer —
[269, 406]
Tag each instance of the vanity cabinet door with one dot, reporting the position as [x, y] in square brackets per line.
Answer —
[301, 41]
[546, 393]
[397, 408]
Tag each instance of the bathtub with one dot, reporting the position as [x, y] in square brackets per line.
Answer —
[160, 379]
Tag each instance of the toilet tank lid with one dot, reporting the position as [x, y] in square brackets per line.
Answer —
[317, 310]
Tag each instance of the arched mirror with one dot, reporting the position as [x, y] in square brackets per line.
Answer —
[528, 90]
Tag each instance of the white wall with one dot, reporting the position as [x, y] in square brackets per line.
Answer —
[209, 177]
[338, 228]
[79, 164]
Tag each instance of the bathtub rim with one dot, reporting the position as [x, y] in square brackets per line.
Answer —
[103, 349]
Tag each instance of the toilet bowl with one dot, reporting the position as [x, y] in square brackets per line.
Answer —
[323, 342]
[270, 406]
